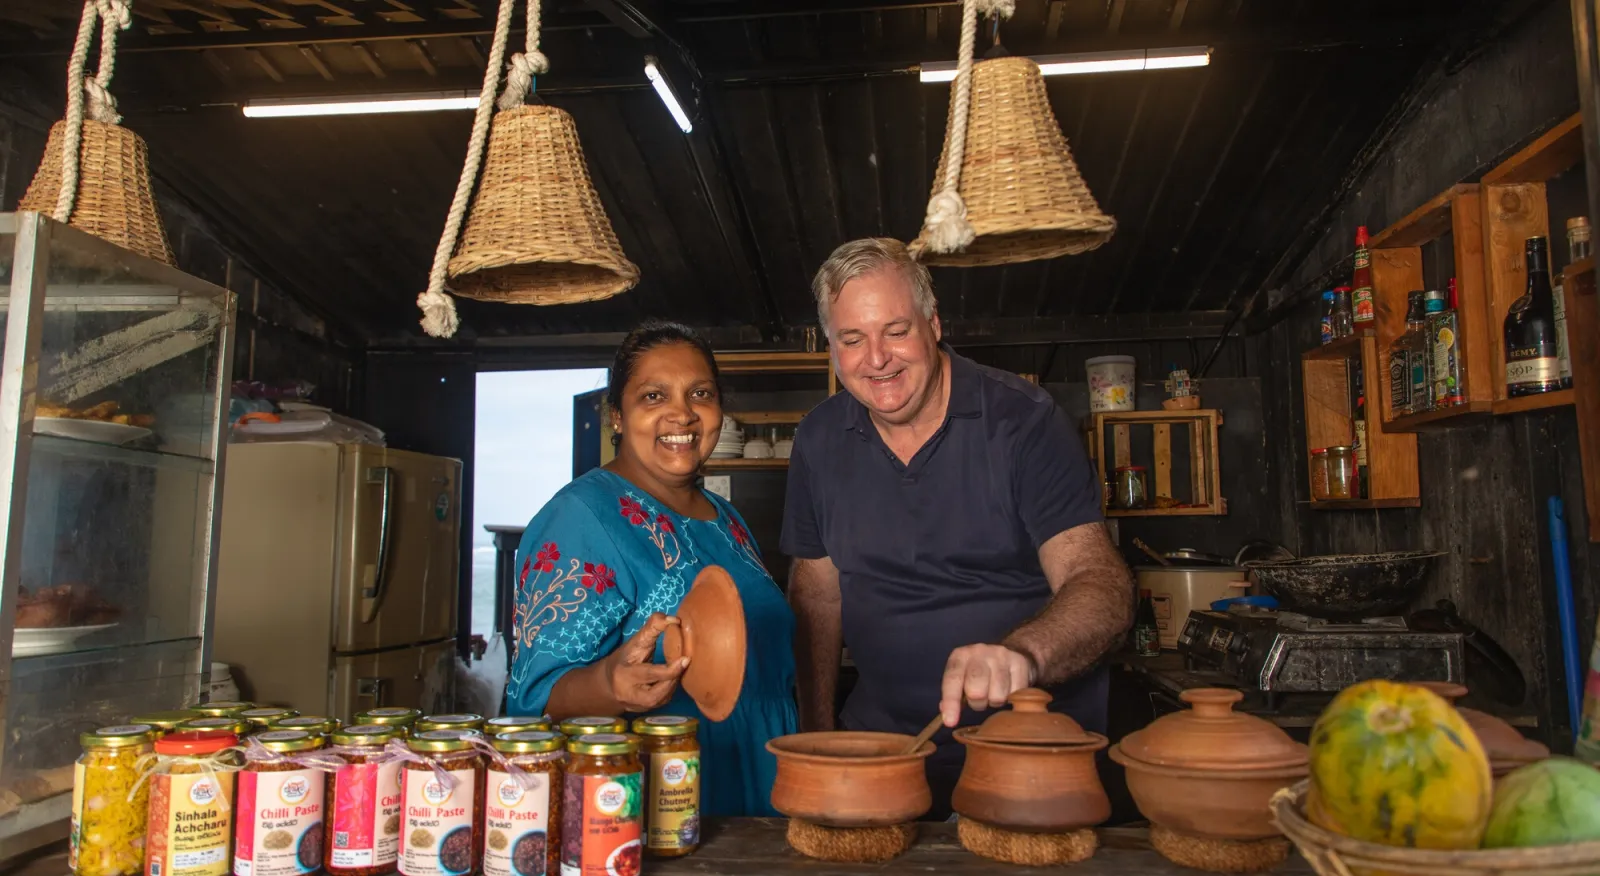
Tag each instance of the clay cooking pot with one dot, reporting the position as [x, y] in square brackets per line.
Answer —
[850, 779]
[1210, 771]
[1029, 769]
[1506, 747]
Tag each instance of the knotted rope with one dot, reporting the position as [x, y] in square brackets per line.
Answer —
[946, 221]
[112, 16]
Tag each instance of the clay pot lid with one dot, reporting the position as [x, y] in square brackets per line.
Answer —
[1029, 722]
[1503, 743]
[1212, 736]
[710, 630]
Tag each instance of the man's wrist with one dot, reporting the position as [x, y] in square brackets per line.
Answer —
[1010, 644]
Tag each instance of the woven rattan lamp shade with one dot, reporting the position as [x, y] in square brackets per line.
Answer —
[1025, 197]
[114, 201]
[537, 233]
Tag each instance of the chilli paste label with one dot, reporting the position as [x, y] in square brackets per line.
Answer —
[280, 823]
[437, 837]
[366, 815]
[517, 818]
[600, 818]
[674, 795]
[191, 819]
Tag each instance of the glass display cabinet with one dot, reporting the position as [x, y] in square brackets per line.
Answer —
[113, 403]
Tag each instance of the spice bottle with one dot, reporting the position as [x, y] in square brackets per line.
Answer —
[280, 806]
[221, 709]
[189, 830]
[449, 722]
[669, 749]
[398, 717]
[515, 724]
[522, 805]
[262, 718]
[315, 724]
[442, 782]
[575, 727]
[601, 807]
[362, 799]
[108, 811]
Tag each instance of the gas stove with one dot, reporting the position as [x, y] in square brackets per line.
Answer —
[1281, 652]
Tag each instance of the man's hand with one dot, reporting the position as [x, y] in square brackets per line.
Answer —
[637, 684]
[985, 675]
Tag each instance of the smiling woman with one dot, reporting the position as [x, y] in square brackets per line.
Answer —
[604, 565]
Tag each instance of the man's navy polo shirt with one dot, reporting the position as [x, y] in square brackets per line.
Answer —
[941, 552]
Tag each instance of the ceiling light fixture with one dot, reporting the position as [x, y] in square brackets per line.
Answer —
[1093, 62]
[361, 105]
[653, 73]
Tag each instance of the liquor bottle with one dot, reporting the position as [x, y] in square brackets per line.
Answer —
[1146, 632]
[1361, 279]
[1444, 330]
[1358, 418]
[1400, 394]
[1530, 329]
[1343, 325]
[1421, 358]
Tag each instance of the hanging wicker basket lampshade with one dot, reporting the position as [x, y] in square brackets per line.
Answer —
[537, 233]
[107, 188]
[1024, 195]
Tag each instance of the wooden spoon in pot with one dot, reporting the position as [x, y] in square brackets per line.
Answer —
[926, 734]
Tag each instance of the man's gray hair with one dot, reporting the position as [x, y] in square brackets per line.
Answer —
[861, 257]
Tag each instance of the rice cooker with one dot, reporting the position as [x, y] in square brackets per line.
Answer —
[1177, 590]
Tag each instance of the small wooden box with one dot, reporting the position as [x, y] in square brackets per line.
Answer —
[1205, 473]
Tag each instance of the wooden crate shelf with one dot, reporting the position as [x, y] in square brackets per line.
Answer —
[778, 362]
[721, 466]
[1343, 348]
[1364, 504]
[1391, 455]
[1558, 399]
[766, 418]
[1205, 472]
[1464, 414]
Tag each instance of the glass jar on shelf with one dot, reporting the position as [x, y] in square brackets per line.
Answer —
[1342, 472]
[1130, 489]
[1319, 474]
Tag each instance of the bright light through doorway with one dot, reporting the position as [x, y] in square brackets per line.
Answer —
[523, 456]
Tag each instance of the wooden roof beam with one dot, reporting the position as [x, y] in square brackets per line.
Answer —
[369, 59]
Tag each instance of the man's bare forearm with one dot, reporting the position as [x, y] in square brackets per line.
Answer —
[818, 640]
[1090, 613]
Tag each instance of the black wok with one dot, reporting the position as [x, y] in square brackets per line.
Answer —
[1346, 587]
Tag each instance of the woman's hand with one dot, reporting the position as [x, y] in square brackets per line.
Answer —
[637, 684]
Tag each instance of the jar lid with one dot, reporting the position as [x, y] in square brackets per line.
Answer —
[1320, 451]
[602, 743]
[165, 720]
[193, 742]
[529, 742]
[443, 740]
[1211, 735]
[230, 725]
[312, 723]
[389, 715]
[120, 736]
[1030, 722]
[1578, 222]
[516, 724]
[450, 722]
[665, 725]
[222, 708]
[267, 715]
[364, 734]
[289, 740]
[588, 725]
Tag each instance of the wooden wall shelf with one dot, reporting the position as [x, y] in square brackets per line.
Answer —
[720, 466]
[1391, 456]
[1583, 333]
[1558, 399]
[1204, 493]
[1364, 504]
[1342, 348]
[778, 362]
[1467, 413]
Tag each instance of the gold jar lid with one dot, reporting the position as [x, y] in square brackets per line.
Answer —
[443, 740]
[665, 725]
[120, 736]
[288, 740]
[603, 744]
[266, 715]
[391, 715]
[165, 721]
[515, 724]
[308, 723]
[221, 709]
[584, 726]
[365, 734]
[211, 722]
[450, 722]
[528, 742]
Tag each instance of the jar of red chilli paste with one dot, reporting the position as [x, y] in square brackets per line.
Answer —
[443, 783]
[279, 818]
[363, 802]
[189, 831]
[601, 806]
[522, 805]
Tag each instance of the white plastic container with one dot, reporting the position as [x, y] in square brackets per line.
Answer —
[1110, 383]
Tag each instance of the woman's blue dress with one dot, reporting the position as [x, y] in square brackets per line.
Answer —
[594, 564]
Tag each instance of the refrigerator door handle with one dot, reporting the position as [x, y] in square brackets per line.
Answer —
[380, 579]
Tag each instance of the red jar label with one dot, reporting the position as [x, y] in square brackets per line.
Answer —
[366, 815]
[600, 825]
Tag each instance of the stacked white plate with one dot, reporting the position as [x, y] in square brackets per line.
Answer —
[731, 444]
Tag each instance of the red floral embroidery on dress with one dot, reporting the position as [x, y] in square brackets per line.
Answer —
[598, 577]
[542, 602]
[663, 524]
[546, 561]
[740, 534]
[633, 512]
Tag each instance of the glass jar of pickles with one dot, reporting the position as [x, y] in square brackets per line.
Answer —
[575, 727]
[449, 722]
[164, 722]
[390, 716]
[278, 826]
[522, 804]
[443, 782]
[362, 803]
[601, 806]
[190, 826]
[515, 724]
[669, 749]
[108, 811]
[266, 716]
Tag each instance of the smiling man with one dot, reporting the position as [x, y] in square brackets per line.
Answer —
[946, 527]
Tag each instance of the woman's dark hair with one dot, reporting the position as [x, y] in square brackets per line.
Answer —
[647, 337]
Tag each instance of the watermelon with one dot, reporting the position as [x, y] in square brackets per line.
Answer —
[1396, 764]
[1547, 803]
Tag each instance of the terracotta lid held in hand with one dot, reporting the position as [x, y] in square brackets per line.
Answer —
[711, 633]
[1029, 722]
[1212, 736]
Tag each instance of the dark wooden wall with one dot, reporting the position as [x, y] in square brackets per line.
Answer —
[1484, 488]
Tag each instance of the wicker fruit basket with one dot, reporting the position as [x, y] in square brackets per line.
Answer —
[1334, 855]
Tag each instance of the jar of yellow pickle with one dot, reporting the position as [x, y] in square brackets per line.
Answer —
[165, 722]
[107, 827]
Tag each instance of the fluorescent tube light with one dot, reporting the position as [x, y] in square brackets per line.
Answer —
[347, 106]
[1093, 62]
[667, 97]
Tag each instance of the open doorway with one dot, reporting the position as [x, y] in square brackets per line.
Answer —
[523, 455]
